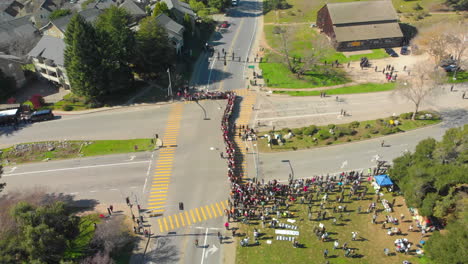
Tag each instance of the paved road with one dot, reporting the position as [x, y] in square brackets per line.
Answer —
[124, 123]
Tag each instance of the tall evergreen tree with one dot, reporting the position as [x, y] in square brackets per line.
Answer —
[154, 52]
[116, 42]
[83, 59]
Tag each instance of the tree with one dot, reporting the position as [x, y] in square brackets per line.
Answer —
[420, 85]
[154, 54]
[43, 232]
[449, 247]
[218, 4]
[7, 84]
[2, 185]
[197, 6]
[83, 59]
[444, 39]
[160, 8]
[118, 41]
[458, 4]
[59, 13]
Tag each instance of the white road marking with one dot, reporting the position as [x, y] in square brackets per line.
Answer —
[76, 168]
[93, 191]
[74, 193]
[296, 116]
[131, 158]
[209, 74]
[147, 173]
[204, 248]
[251, 42]
[114, 189]
[345, 163]
[12, 169]
[211, 251]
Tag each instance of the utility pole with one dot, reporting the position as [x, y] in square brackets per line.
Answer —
[169, 88]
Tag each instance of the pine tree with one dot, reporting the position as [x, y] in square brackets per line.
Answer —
[116, 42]
[154, 52]
[83, 61]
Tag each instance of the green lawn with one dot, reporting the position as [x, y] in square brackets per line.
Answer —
[78, 247]
[372, 239]
[277, 75]
[461, 77]
[365, 130]
[408, 6]
[360, 88]
[71, 149]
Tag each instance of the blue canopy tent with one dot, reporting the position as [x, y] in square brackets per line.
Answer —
[383, 180]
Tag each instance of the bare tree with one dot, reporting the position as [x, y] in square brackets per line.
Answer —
[111, 235]
[98, 258]
[457, 37]
[423, 83]
[444, 39]
[285, 36]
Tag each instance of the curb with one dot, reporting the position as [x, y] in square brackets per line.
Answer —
[103, 109]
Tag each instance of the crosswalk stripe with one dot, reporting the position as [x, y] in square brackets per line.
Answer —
[158, 195]
[159, 181]
[158, 204]
[222, 204]
[165, 224]
[187, 217]
[164, 163]
[161, 178]
[170, 222]
[208, 212]
[203, 213]
[160, 226]
[160, 186]
[193, 217]
[182, 218]
[158, 199]
[176, 221]
[198, 215]
[155, 207]
[219, 209]
[214, 211]
[160, 191]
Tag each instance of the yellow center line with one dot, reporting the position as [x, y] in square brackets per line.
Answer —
[219, 209]
[203, 213]
[160, 226]
[193, 217]
[165, 224]
[182, 218]
[198, 215]
[170, 222]
[187, 217]
[208, 211]
[176, 221]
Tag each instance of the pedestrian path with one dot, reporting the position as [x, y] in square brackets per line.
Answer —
[190, 217]
[164, 163]
[246, 106]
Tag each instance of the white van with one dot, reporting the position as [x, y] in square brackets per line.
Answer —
[234, 2]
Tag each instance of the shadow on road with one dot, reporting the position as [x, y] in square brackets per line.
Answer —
[454, 118]
[166, 252]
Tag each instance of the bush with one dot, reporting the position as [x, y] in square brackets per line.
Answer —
[417, 7]
[310, 130]
[367, 136]
[329, 142]
[297, 131]
[342, 131]
[30, 104]
[374, 131]
[368, 126]
[389, 131]
[67, 107]
[285, 131]
[331, 126]
[406, 115]
[354, 124]
[37, 101]
[323, 134]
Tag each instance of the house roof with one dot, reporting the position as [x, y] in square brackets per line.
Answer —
[174, 29]
[89, 15]
[363, 32]
[49, 48]
[132, 8]
[180, 6]
[102, 4]
[366, 11]
[19, 27]
[10, 57]
[4, 16]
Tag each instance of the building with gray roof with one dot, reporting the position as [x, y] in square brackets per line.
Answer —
[174, 30]
[48, 59]
[18, 36]
[179, 9]
[133, 10]
[57, 27]
[360, 25]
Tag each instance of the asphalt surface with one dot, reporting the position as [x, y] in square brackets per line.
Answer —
[124, 123]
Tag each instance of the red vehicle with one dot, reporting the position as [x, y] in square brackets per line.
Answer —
[225, 24]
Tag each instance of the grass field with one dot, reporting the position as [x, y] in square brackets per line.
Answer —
[278, 75]
[361, 88]
[71, 149]
[366, 130]
[369, 246]
[79, 245]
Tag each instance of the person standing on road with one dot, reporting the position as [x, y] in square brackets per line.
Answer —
[226, 225]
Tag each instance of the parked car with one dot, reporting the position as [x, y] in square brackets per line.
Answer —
[404, 50]
[41, 115]
[451, 68]
[391, 52]
[234, 2]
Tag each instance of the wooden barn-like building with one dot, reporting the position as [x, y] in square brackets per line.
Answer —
[360, 25]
